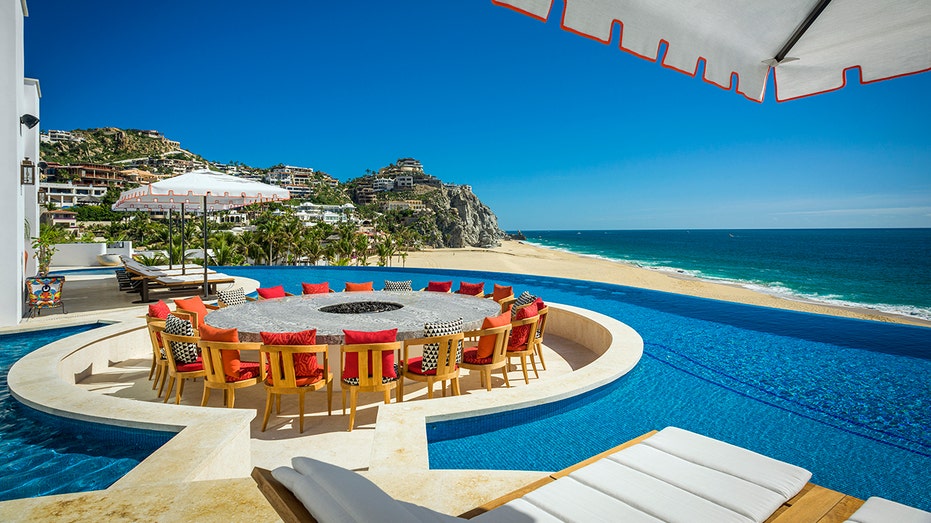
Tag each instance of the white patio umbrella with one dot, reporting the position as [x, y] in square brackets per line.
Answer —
[199, 191]
[808, 43]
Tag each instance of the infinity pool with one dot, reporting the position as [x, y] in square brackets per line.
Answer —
[43, 454]
[849, 400]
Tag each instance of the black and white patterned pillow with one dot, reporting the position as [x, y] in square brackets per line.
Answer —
[398, 285]
[525, 298]
[431, 351]
[182, 351]
[232, 297]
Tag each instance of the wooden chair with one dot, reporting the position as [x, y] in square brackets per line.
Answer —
[526, 349]
[193, 316]
[180, 372]
[371, 377]
[505, 302]
[283, 378]
[498, 358]
[215, 377]
[159, 360]
[538, 335]
[447, 368]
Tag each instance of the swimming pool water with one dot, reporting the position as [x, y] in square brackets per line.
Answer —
[846, 399]
[43, 454]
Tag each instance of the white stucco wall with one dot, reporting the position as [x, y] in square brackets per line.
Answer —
[12, 151]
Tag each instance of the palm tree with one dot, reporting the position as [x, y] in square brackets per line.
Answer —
[360, 247]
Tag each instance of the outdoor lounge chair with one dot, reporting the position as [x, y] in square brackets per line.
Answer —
[671, 475]
[879, 510]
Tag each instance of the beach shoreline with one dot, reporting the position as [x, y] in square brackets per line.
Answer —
[525, 258]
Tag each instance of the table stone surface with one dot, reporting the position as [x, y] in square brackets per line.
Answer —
[297, 313]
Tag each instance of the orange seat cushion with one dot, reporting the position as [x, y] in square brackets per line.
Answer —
[316, 288]
[195, 305]
[501, 292]
[351, 369]
[271, 292]
[486, 344]
[358, 287]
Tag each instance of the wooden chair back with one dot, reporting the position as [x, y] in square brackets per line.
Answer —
[501, 335]
[448, 355]
[212, 354]
[282, 376]
[370, 376]
[532, 323]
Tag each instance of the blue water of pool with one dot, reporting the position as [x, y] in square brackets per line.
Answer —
[846, 399]
[43, 454]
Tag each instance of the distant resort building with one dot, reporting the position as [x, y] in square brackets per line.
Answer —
[67, 195]
[311, 213]
[55, 136]
[404, 205]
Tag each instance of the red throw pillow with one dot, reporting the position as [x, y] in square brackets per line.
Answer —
[520, 335]
[351, 370]
[271, 292]
[316, 288]
[539, 303]
[159, 310]
[439, 286]
[486, 344]
[472, 289]
[193, 304]
[231, 362]
[305, 365]
[501, 292]
[358, 287]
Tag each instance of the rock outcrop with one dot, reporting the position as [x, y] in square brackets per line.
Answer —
[461, 220]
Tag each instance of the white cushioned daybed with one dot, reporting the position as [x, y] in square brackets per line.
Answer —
[673, 475]
[880, 510]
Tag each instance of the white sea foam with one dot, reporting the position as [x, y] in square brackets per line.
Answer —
[776, 288]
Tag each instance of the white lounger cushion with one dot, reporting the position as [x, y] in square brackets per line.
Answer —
[675, 475]
[334, 495]
[880, 510]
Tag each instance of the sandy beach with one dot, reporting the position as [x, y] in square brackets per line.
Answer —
[520, 257]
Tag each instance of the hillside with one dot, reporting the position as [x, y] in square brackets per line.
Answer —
[109, 144]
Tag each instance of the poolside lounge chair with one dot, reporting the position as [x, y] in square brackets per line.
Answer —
[671, 475]
[880, 510]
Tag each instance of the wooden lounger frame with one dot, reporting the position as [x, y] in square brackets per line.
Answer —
[814, 504]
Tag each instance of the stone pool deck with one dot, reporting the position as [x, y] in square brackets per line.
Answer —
[201, 474]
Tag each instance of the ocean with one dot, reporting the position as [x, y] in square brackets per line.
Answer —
[883, 269]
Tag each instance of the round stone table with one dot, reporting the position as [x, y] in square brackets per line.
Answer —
[298, 313]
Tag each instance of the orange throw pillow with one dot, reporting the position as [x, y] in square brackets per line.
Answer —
[193, 304]
[486, 344]
[316, 288]
[231, 362]
[358, 287]
[501, 292]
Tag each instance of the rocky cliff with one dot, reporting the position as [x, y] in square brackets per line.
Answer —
[460, 220]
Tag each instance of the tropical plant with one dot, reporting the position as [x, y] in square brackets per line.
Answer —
[44, 245]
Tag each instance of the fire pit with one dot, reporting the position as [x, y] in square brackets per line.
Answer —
[361, 307]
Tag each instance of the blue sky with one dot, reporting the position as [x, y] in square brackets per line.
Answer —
[552, 130]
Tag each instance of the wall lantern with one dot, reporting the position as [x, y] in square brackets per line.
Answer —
[28, 120]
[27, 171]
